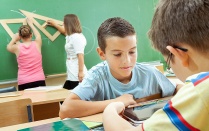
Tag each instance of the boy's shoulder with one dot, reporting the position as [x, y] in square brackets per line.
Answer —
[99, 69]
[145, 67]
[99, 66]
[141, 69]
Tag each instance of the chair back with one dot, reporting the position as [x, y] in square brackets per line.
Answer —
[8, 89]
[16, 112]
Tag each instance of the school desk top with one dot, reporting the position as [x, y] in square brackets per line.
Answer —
[36, 97]
[95, 118]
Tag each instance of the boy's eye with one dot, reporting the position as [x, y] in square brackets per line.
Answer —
[132, 52]
[117, 55]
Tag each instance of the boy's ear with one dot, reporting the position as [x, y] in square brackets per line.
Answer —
[101, 53]
[181, 55]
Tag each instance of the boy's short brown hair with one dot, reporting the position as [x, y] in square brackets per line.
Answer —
[113, 27]
[181, 21]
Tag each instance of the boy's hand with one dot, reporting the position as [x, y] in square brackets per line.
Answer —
[127, 99]
[118, 106]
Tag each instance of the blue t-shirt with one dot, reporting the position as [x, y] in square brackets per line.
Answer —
[99, 84]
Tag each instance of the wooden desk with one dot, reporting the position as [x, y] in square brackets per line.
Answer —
[95, 118]
[26, 125]
[39, 97]
[43, 102]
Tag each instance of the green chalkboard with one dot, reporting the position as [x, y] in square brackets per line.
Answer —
[91, 13]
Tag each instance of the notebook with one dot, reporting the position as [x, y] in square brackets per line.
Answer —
[63, 125]
[45, 88]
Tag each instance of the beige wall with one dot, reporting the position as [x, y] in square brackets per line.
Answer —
[52, 80]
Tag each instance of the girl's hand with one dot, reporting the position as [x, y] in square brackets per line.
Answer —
[16, 37]
[50, 22]
[29, 21]
[80, 76]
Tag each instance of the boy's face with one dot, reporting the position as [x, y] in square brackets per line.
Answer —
[121, 55]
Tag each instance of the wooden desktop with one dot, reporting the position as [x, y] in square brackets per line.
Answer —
[43, 102]
[95, 118]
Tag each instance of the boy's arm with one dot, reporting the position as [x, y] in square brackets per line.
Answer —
[12, 46]
[178, 86]
[112, 120]
[35, 32]
[61, 29]
[73, 106]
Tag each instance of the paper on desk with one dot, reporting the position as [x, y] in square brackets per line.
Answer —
[45, 88]
[89, 124]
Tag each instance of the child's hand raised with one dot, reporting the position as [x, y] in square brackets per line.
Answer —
[16, 37]
[50, 22]
[29, 21]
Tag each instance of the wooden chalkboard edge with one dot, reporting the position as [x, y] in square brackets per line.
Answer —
[8, 82]
[3, 82]
[56, 75]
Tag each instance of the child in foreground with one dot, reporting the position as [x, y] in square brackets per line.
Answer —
[180, 31]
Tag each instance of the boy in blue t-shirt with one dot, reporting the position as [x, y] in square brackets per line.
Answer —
[118, 78]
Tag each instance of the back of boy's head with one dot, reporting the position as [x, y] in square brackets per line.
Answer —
[113, 27]
[72, 24]
[181, 21]
[24, 31]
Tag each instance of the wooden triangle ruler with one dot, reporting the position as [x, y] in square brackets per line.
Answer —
[42, 27]
[9, 21]
[32, 16]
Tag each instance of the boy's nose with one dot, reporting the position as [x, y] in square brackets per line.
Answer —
[126, 59]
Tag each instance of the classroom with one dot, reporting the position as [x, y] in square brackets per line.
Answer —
[41, 105]
[89, 14]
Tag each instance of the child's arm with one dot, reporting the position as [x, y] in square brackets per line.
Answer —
[35, 31]
[58, 27]
[73, 106]
[80, 66]
[178, 86]
[112, 120]
[12, 46]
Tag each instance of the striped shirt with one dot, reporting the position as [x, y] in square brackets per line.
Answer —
[188, 110]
